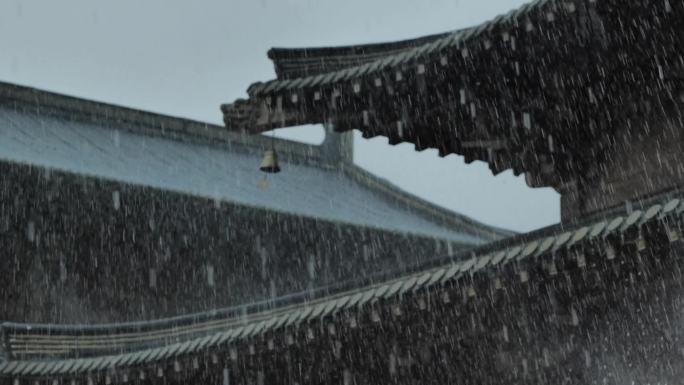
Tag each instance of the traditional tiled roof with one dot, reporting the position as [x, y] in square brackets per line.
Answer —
[376, 58]
[136, 147]
[518, 91]
[299, 62]
[425, 50]
[49, 351]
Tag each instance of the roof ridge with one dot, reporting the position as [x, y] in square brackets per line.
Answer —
[452, 39]
[30, 100]
[276, 52]
[295, 62]
[144, 122]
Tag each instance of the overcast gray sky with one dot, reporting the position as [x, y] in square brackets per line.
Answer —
[185, 58]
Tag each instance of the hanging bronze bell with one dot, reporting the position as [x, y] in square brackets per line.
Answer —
[270, 162]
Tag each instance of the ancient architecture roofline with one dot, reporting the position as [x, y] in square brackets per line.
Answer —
[584, 252]
[333, 156]
[301, 62]
[525, 91]
[392, 55]
[70, 108]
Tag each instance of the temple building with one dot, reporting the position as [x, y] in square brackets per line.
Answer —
[111, 214]
[581, 96]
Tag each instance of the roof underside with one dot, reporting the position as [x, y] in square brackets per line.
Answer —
[540, 90]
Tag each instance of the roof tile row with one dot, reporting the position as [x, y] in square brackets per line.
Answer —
[426, 51]
[319, 310]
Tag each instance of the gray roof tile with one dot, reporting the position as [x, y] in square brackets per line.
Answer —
[579, 235]
[342, 302]
[408, 285]
[367, 296]
[529, 249]
[53, 367]
[631, 220]
[613, 225]
[435, 277]
[670, 206]
[143, 356]
[482, 262]
[294, 316]
[354, 300]
[237, 333]
[422, 280]
[247, 331]
[512, 253]
[42, 368]
[3, 366]
[67, 366]
[329, 307]
[18, 368]
[156, 354]
[203, 170]
[394, 289]
[282, 321]
[380, 291]
[28, 368]
[498, 257]
[317, 311]
[451, 273]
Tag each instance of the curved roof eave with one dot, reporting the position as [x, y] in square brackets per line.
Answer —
[523, 258]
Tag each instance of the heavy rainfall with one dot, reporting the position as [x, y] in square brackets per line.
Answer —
[385, 203]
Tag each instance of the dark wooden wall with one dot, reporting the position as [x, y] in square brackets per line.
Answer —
[642, 161]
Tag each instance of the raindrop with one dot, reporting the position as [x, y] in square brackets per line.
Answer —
[587, 359]
[62, 270]
[347, 377]
[153, 278]
[116, 200]
[31, 231]
[210, 275]
[527, 120]
[226, 376]
[574, 318]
